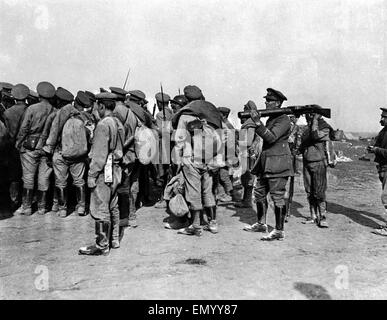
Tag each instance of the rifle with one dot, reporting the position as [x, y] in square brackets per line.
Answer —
[154, 110]
[295, 110]
[127, 76]
[162, 98]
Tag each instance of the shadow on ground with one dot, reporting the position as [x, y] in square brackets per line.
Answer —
[312, 291]
[360, 217]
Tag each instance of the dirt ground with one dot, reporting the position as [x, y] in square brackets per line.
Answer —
[39, 254]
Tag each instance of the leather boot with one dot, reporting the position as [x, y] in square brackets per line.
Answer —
[247, 198]
[81, 200]
[27, 201]
[123, 206]
[101, 247]
[62, 201]
[42, 199]
[278, 233]
[260, 225]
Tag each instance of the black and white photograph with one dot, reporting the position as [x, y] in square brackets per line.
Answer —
[206, 151]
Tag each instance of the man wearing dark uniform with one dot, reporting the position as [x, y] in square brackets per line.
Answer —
[380, 151]
[273, 167]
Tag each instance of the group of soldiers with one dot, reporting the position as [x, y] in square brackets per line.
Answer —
[47, 134]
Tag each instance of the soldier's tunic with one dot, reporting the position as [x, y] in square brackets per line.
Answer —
[34, 160]
[314, 161]
[275, 162]
[381, 160]
[108, 138]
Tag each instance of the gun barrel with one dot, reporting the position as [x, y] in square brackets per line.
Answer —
[295, 110]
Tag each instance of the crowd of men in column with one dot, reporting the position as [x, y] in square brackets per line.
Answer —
[47, 134]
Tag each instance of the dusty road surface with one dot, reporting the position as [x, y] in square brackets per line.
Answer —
[39, 254]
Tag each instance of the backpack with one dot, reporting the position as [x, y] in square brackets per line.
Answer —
[4, 137]
[145, 144]
[74, 138]
[206, 141]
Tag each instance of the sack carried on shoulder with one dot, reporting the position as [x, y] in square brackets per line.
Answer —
[74, 138]
[31, 142]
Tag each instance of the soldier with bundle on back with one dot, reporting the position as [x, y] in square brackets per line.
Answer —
[68, 142]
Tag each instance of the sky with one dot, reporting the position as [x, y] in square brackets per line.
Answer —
[331, 53]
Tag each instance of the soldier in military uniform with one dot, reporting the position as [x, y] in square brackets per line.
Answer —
[222, 179]
[62, 166]
[104, 176]
[253, 143]
[128, 189]
[32, 157]
[380, 151]
[13, 117]
[315, 166]
[197, 171]
[273, 168]
[164, 130]
[136, 100]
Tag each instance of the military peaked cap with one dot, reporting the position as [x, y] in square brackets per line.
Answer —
[91, 96]
[45, 89]
[274, 95]
[384, 112]
[138, 94]
[6, 86]
[181, 100]
[20, 91]
[82, 99]
[121, 93]
[106, 96]
[64, 94]
[162, 97]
